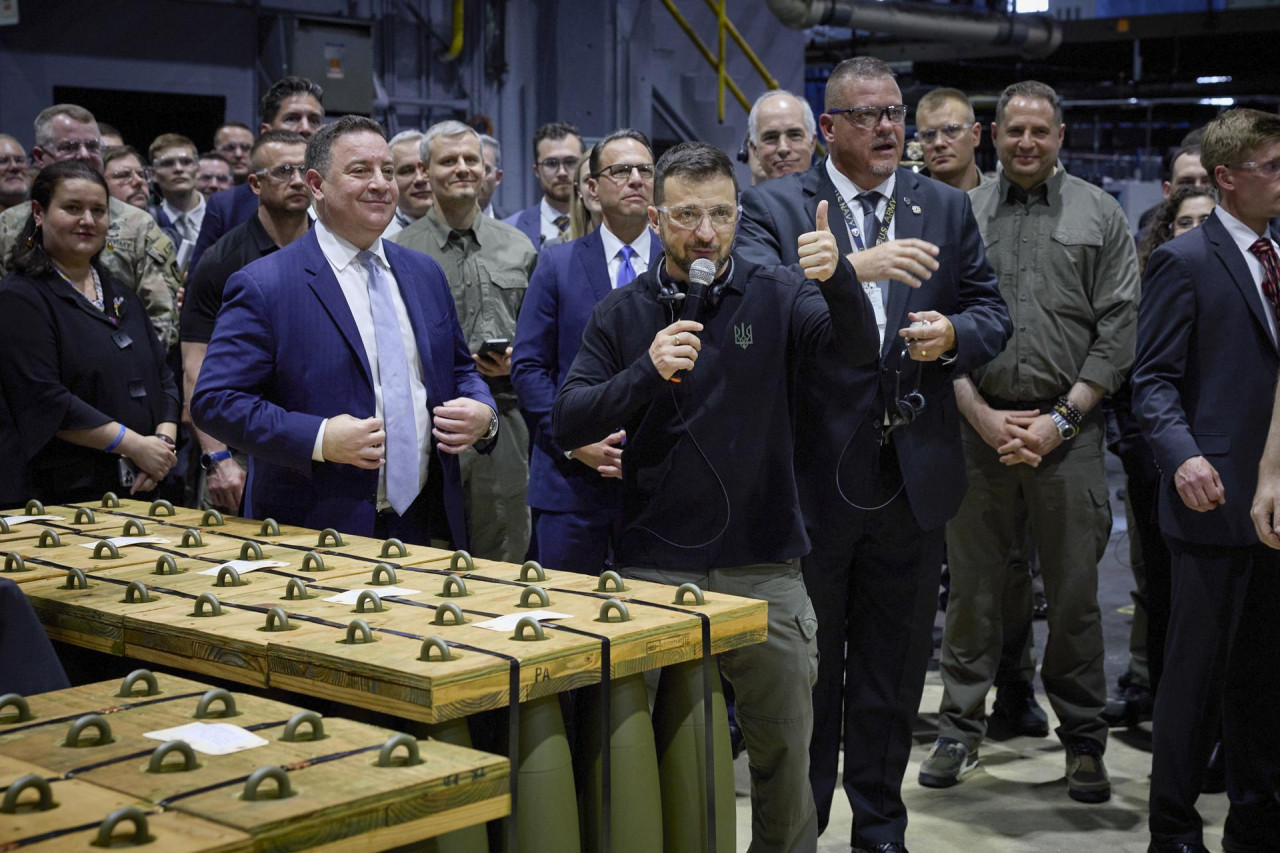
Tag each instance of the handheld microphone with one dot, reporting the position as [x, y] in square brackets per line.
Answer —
[702, 273]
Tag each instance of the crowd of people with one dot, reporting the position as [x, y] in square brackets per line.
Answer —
[817, 391]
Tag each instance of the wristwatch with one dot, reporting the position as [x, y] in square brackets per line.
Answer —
[209, 460]
[1065, 428]
[492, 431]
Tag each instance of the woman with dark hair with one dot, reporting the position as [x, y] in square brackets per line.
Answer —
[1184, 209]
[94, 407]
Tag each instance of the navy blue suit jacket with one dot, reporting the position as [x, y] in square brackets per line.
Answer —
[570, 279]
[1204, 377]
[529, 221]
[223, 211]
[286, 354]
[834, 399]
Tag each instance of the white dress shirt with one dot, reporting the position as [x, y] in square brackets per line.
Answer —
[612, 245]
[1244, 237]
[187, 224]
[548, 220]
[354, 281]
[877, 291]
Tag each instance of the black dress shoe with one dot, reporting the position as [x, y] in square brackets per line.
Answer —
[887, 847]
[1176, 847]
[1134, 705]
[1018, 712]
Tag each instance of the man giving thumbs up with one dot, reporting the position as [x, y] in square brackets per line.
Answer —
[708, 492]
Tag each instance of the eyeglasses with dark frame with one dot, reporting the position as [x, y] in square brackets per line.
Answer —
[620, 173]
[950, 131]
[869, 117]
[554, 164]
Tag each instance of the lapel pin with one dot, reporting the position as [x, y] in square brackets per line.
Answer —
[915, 208]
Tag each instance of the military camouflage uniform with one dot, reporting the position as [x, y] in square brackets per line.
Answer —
[138, 254]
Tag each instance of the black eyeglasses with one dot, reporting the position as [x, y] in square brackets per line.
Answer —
[553, 164]
[869, 117]
[950, 131]
[620, 173]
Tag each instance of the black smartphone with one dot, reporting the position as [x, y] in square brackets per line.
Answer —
[128, 473]
[494, 348]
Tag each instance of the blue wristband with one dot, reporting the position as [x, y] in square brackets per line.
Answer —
[119, 438]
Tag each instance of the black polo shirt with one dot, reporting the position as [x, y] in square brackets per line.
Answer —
[239, 247]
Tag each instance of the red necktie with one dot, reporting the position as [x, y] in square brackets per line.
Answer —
[1266, 253]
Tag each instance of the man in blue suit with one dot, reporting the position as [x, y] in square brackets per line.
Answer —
[293, 103]
[575, 493]
[878, 456]
[338, 364]
[557, 149]
[1205, 372]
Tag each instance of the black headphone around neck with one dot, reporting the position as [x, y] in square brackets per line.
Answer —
[671, 291]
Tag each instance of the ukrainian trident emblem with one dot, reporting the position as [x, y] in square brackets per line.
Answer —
[742, 335]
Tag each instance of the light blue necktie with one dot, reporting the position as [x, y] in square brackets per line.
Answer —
[626, 272]
[397, 399]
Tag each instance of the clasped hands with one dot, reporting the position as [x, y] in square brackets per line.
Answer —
[1022, 437]
[457, 424]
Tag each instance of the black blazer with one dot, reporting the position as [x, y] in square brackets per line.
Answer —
[1204, 377]
[66, 365]
[834, 400]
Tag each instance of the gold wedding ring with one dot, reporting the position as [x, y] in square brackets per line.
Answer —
[676, 338]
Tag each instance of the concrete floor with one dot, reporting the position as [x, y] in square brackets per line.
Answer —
[1017, 800]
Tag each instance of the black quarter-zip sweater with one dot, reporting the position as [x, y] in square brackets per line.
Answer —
[707, 467]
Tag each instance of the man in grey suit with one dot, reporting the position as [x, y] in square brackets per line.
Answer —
[878, 457]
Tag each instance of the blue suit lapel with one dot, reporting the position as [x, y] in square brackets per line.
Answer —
[325, 285]
[817, 187]
[1229, 254]
[588, 254]
[906, 224]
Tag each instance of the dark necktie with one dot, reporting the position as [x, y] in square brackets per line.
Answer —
[397, 397]
[1266, 253]
[562, 222]
[626, 272]
[870, 222]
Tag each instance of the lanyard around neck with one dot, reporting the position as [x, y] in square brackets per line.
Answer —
[856, 232]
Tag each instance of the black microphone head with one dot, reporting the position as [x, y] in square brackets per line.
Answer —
[702, 271]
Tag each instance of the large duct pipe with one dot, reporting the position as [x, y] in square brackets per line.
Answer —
[1036, 36]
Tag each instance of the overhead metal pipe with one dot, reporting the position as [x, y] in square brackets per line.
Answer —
[1036, 36]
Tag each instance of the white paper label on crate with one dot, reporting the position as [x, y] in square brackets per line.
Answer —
[211, 738]
[122, 541]
[245, 566]
[350, 596]
[15, 520]
[507, 624]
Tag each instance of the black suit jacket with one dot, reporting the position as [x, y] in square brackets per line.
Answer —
[1204, 377]
[835, 400]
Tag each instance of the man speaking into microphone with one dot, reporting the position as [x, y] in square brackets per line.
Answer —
[709, 496]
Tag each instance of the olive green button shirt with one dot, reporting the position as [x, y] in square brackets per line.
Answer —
[1069, 274]
[138, 254]
[488, 268]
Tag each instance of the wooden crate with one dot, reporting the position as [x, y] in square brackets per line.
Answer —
[343, 797]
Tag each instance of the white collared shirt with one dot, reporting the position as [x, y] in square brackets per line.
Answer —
[548, 220]
[877, 291]
[398, 223]
[612, 245]
[1244, 237]
[188, 224]
[354, 281]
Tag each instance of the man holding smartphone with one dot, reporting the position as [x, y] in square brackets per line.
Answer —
[488, 265]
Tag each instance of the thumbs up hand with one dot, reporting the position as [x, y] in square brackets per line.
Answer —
[817, 249]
